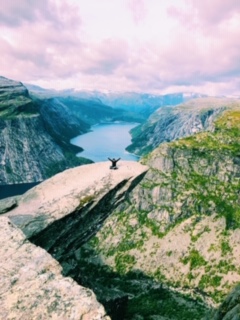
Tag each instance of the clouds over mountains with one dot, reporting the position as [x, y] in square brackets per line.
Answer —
[148, 45]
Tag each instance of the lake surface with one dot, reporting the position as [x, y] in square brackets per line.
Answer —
[15, 189]
[106, 140]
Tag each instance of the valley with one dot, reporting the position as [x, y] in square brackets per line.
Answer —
[158, 238]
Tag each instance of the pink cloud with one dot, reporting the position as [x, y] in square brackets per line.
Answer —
[216, 11]
[138, 10]
[50, 42]
[205, 13]
[105, 57]
[15, 13]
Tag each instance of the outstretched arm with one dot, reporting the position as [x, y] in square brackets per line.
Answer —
[109, 159]
[118, 159]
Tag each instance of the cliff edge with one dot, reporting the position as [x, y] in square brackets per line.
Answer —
[59, 215]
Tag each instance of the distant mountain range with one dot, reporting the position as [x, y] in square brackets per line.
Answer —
[138, 105]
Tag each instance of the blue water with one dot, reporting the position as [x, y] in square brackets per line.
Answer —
[106, 140]
[11, 190]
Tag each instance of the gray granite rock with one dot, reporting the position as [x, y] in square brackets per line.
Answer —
[32, 287]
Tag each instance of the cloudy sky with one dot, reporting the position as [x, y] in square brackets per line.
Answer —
[157, 46]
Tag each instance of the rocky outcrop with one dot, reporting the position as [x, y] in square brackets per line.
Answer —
[32, 286]
[31, 143]
[171, 123]
[14, 98]
[8, 204]
[60, 215]
[73, 192]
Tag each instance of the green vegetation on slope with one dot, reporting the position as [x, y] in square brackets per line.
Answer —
[171, 123]
[218, 187]
[19, 105]
[146, 297]
[225, 138]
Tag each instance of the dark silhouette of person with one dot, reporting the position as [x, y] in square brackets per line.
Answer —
[114, 163]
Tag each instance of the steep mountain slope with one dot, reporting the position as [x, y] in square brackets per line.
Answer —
[171, 123]
[60, 122]
[32, 142]
[179, 227]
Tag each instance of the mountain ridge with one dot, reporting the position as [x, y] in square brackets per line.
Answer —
[170, 123]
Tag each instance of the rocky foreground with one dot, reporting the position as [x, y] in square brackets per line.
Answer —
[32, 286]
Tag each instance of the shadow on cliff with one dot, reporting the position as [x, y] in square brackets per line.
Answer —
[64, 236]
[124, 296]
[131, 295]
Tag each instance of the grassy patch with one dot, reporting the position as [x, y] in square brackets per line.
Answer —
[225, 247]
[195, 259]
[208, 280]
[124, 263]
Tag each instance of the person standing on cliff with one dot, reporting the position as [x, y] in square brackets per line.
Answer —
[114, 163]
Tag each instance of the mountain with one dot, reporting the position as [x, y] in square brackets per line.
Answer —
[87, 106]
[36, 127]
[60, 122]
[34, 140]
[229, 309]
[125, 106]
[15, 99]
[94, 111]
[153, 241]
[171, 123]
[142, 104]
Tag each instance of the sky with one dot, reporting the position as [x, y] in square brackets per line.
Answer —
[154, 46]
